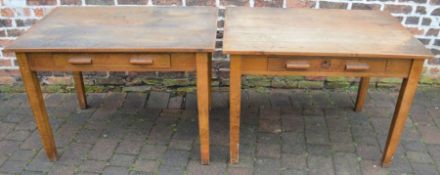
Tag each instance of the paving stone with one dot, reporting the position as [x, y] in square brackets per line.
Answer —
[346, 164]
[293, 161]
[372, 167]
[170, 170]
[320, 165]
[62, 170]
[418, 157]
[368, 152]
[240, 171]
[269, 150]
[158, 100]
[92, 166]
[103, 149]
[23, 155]
[134, 101]
[74, 154]
[40, 162]
[5, 128]
[19, 135]
[122, 160]
[430, 134]
[424, 169]
[8, 147]
[401, 165]
[434, 151]
[176, 158]
[152, 151]
[181, 144]
[293, 172]
[13, 166]
[114, 170]
[319, 150]
[195, 168]
[146, 165]
[265, 166]
[129, 147]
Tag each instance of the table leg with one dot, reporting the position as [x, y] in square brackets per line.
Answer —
[36, 102]
[80, 91]
[403, 106]
[362, 93]
[234, 106]
[210, 80]
[202, 61]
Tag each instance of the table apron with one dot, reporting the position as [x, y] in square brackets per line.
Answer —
[323, 66]
[137, 62]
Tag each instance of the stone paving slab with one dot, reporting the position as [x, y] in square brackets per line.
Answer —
[283, 132]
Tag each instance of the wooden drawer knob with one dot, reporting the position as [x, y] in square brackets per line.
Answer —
[141, 61]
[297, 65]
[80, 61]
[357, 67]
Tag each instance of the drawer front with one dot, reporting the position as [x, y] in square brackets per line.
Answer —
[323, 66]
[112, 62]
[104, 60]
[327, 65]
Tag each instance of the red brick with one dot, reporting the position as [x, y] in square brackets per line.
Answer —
[133, 2]
[268, 3]
[41, 2]
[235, 2]
[332, 5]
[361, 6]
[5, 63]
[15, 32]
[5, 23]
[2, 33]
[39, 12]
[432, 32]
[200, 3]
[300, 3]
[167, 2]
[416, 31]
[5, 42]
[7, 80]
[70, 2]
[7, 12]
[9, 72]
[58, 80]
[398, 8]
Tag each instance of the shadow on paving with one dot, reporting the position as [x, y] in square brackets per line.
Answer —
[282, 132]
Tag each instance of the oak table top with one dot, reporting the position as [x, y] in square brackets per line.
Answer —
[312, 32]
[122, 29]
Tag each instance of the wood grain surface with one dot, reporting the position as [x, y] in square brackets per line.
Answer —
[324, 32]
[122, 29]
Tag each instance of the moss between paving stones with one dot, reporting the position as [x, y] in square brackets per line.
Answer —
[254, 82]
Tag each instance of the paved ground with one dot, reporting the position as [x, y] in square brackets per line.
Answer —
[283, 132]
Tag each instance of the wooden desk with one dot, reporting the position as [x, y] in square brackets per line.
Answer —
[77, 39]
[308, 42]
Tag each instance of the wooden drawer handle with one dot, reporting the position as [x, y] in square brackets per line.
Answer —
[80, 61]
[357, 67]
[141, 61]
[297, 65]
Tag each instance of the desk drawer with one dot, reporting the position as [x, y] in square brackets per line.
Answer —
[327, 65]
[124, 60]
[112, 61]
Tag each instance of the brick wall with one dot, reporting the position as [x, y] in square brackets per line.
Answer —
[421, 17]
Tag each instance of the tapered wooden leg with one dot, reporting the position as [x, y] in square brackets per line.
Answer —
[80, 90]
[234, 106]
[403, 105]
[202, 61]
[36, 102]
[362, 93]
[210, 80]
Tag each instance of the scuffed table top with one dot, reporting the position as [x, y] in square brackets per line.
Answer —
[122, 29]
[311, 32]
